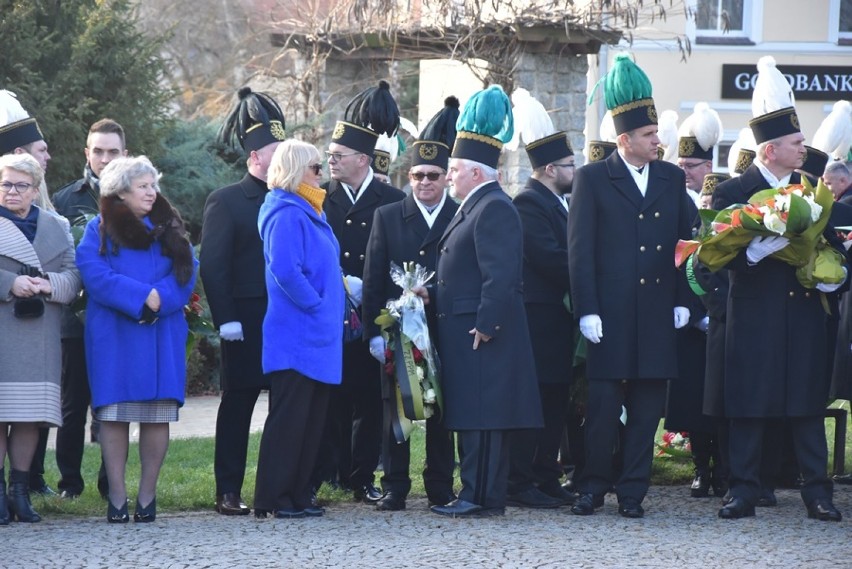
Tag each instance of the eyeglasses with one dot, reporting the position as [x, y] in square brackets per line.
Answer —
[692, 166]
[433, 176]
[336, 156]
[564, 165]
[317, 168]
[20, 187]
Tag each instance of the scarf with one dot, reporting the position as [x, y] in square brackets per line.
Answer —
[27, 225]
[313, 195]
[92, 183]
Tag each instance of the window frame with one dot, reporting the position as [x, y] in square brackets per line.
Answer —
[750, 34]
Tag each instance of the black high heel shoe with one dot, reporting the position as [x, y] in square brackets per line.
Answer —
[146, 514]
[117, 515]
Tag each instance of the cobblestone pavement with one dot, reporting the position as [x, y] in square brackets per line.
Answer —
[677, 531]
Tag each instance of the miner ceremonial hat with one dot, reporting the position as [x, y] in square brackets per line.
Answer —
[712, 180]
[437, 137]
[815, 163]
[627, 94]
[484, 126]
[772, 104]
[371, 112]
[254, 122]
[17, 127]
[544, 144]
[699, 133]
[388, 148]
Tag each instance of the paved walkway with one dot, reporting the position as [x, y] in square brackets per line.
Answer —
[676, 532]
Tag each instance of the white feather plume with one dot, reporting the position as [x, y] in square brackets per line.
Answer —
[10, 109]
[389, 145]
[409, 127]
[704, 124]
[834, 135]
[531, 119]
[771, 90]
[608, 132]
[745, 139]
[667, 132]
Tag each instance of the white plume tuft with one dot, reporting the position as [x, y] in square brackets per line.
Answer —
[667, 132]
[704, 124]
[10, 109]
[389, 145]
[771, 90]
[531, 119]
[834, 135]
[409, 127]
[608, 132]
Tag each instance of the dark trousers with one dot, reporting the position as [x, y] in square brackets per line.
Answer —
[645, 400]
[352, 439]
[534, 453]
[290, 441]
[233, 424]
[76, 398]
[396, 458]
[37, 465]
[484, 467]
[746, 445]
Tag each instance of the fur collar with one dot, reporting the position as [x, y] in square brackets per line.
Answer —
[126, 230]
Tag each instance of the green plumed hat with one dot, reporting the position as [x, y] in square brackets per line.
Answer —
[627, 94]
[484, 126]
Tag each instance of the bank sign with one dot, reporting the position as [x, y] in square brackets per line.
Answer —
[809, 82]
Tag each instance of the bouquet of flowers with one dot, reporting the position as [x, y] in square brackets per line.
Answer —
[798, 212]
[675, 445]
[199, 326]
[410, 357]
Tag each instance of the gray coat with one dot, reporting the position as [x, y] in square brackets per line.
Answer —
[30, 355]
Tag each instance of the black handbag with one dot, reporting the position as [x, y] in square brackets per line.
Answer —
[32, 307]
[352, 327]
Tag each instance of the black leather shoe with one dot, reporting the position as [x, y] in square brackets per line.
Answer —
[561, 493]
[392, 502]
[231, 504]
[287, 513]
[630, 508]
[767, 498]
[822, 509]
[700, 485]
[117, 515]
[462, 509]
[147, 514]
[842, 478]
[368, 494]
[533, 498]
[441, 499]
[586, 504]
[735, 509]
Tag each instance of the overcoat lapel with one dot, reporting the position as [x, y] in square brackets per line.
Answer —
[623, 181]
[414, 218]
[467, 207]
[16, 246]
[657, 180]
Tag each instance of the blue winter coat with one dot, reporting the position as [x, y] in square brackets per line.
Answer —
[129, 361]
[303, 328]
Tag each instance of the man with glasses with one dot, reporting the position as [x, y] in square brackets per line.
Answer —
[350, 452]
[534, 469]
[408, 231]
[232, 272]
[697, 137]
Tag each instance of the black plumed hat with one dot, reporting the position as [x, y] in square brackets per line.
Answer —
[371, 112]
[438, 136]
[254, 122]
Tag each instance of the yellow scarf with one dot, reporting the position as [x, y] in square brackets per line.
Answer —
[312, 195]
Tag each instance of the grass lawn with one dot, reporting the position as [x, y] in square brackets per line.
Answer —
[187, 484]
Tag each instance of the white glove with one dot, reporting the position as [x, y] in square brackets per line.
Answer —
[762, 247]
[592, 328]
[355, 286]
[703, 324]
[681, 317]
[230, 331]
[377, 348]
[826, 287]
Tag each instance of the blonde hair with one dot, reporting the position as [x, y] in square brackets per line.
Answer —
[25, 164]
[117, 177]
[289, 164]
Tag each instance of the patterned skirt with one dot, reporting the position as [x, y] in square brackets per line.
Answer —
[159, 411]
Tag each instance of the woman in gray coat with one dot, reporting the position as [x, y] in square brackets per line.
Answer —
[37, 275]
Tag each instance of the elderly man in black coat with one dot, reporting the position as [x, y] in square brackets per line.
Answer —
[627, 214]
[232, 272]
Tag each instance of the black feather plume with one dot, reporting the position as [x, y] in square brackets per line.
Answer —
[251, 109]
[374, 108]
[442, 127]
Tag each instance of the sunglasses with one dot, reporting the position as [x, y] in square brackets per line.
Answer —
[317, 168]
[420, 175]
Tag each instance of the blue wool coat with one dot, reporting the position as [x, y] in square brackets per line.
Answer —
[303, 327]
[129, 361]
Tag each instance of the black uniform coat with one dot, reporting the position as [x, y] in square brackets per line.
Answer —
[776, 334]
[352, 223]
[232, 272]
[480, 259]
[545, 223]
[622, 265]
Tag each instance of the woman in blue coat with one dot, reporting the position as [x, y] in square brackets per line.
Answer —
[302, 330]
[138, 270]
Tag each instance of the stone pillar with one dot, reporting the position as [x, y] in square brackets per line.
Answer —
[559, 83]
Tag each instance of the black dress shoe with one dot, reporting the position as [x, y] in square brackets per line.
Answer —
[842, 478]
[440, 499]
[586, 504]
[767, 498]
[630, 508]
[368, 494]
[735, 509]
[288, 513]
[700, 485]
[822, 509]
[392, 502]
[560, 492]
[147, 514]
[231, 504]
[117, 515]
[462, 509]
[533, 498]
